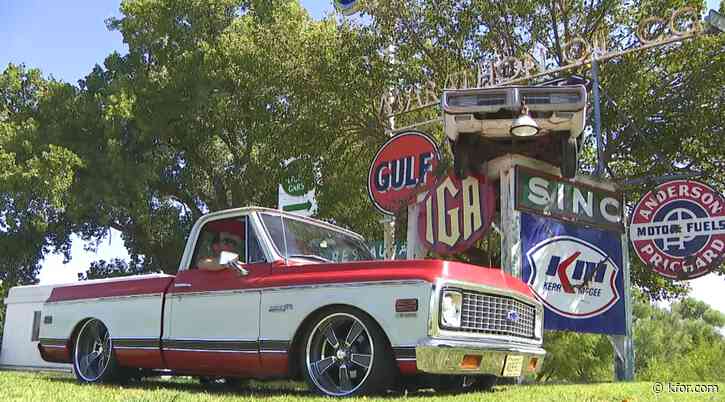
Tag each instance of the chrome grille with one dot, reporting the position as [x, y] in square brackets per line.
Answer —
[494, 314]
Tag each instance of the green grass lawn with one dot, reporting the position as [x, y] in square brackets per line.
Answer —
[38, 387]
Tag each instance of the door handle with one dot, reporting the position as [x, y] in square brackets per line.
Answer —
[182, 285]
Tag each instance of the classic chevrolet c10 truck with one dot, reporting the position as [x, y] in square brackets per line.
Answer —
[301, 299]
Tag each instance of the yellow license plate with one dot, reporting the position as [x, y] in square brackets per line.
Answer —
[512, 366]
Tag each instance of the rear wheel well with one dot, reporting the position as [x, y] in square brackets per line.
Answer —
[295, 370]
[74, 335]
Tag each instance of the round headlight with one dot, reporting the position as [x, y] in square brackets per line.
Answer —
[451, 308]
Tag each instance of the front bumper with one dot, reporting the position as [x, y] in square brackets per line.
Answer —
[444, 356]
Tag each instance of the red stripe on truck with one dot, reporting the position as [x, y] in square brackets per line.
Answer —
[124, 287]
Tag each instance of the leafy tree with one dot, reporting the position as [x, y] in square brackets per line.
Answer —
[35, 176]
[577, 357]
[683, 344]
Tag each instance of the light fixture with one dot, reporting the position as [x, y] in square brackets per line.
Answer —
[524, 125]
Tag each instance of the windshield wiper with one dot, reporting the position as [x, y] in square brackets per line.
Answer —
[310, 256]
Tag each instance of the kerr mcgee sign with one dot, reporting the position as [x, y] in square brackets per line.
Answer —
[576, 272]
[678, 229]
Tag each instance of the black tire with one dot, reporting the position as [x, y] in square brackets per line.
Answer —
[93, 357]
[345, 353]
[569, 156]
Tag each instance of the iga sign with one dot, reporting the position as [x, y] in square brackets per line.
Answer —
[456, 213]
[401, 168]
[678, 229]
[576, 272]
[567, 200]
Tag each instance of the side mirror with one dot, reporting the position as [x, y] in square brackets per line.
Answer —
[232, 261]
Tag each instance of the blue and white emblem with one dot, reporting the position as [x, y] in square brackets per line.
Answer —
[512, 316]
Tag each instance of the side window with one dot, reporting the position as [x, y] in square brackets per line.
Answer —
[255, 253]
[219, 239]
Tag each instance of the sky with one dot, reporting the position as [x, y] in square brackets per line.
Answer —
[66, 39]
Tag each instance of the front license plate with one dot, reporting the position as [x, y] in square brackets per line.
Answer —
[513, 365]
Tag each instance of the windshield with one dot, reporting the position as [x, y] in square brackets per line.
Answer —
[306, 240]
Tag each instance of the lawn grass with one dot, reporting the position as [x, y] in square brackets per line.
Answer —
[39, 387]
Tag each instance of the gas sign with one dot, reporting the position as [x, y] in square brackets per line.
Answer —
[402, 168]
[577, 274]
[678, 229]
[456, 213]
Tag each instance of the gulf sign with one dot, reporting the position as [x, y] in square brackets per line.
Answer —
[678, 229]
[402, 168]
[456, 213]
[576, 271]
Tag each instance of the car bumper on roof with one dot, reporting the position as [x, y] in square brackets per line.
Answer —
[500, 358]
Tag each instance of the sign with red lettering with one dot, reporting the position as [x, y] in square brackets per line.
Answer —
[576, 271]
[456, 213]
[678, 229]
[402, 167]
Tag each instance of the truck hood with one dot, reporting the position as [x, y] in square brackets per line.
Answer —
[385, 270]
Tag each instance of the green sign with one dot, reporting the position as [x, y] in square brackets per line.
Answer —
[567, 200]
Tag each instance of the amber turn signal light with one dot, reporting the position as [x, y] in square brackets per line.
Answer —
[471, 362]
[533, 363]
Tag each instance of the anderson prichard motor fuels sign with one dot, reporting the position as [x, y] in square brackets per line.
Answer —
[678, 229]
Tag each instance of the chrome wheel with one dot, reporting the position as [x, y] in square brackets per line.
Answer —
[339, 354]
[93, 351]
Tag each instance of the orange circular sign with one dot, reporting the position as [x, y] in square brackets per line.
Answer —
[402, 166]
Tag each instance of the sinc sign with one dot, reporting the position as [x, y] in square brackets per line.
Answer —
[456, 213]
[572, 277]
[567, 200]
[678, 229]
[402, 167]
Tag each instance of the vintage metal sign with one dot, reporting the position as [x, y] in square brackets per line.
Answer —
[292, 195]
[567, 200]
[402, 168]
[682, 24]
[678, 229]
[456, 213]
[576, 272]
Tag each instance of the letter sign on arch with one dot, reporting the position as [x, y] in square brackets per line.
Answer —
[402, 168]
[456, 213]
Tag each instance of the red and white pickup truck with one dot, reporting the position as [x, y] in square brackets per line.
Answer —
[305, 301]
